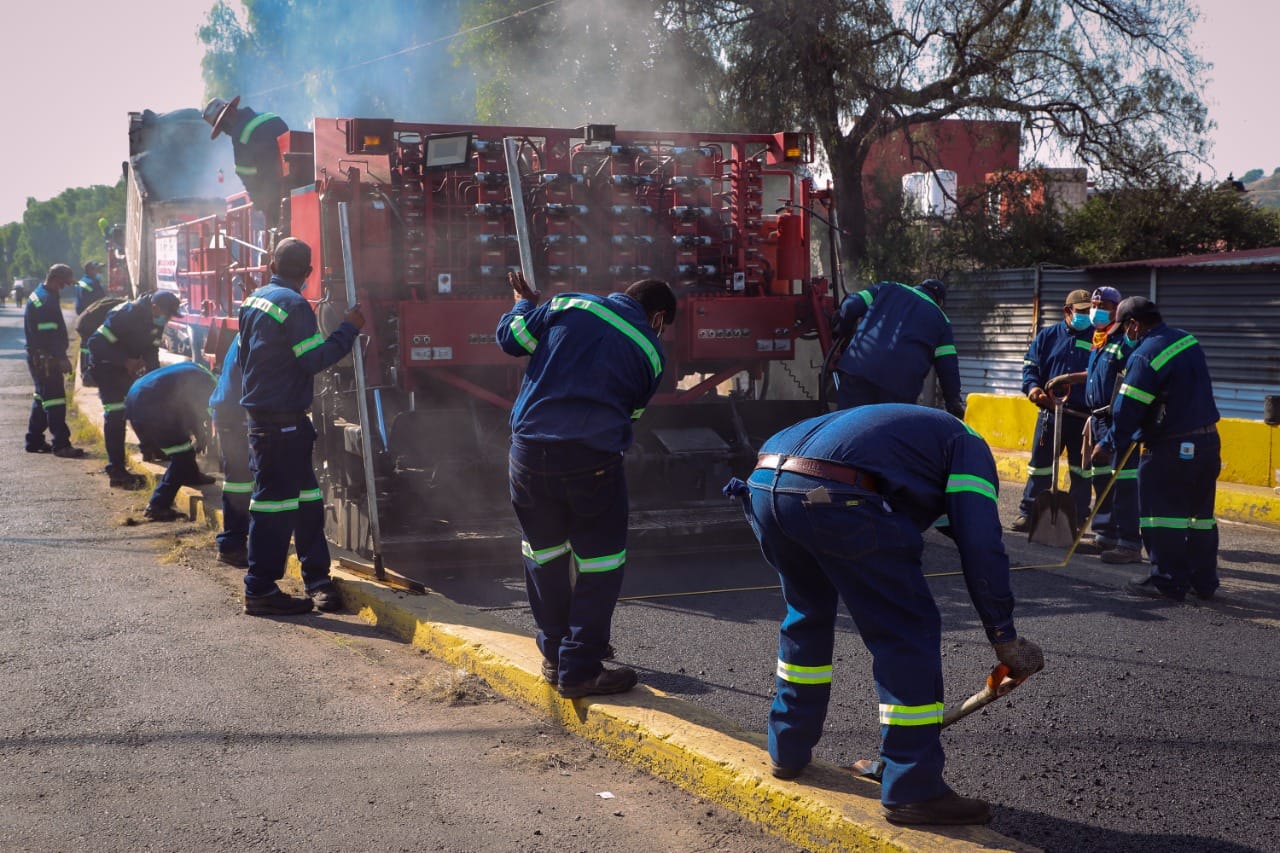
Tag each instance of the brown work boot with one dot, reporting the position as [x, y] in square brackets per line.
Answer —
[1021, 524]
[607, 681]
[276, 603]
[950, 809]
[1121, 555]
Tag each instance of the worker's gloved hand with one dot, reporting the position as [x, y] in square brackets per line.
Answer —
[1022, 656]
[1038, 396]
[355, 316]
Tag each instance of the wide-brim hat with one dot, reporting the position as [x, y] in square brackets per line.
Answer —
[217, 111]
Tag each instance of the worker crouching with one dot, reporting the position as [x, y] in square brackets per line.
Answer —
[838, 503]
[168, 409]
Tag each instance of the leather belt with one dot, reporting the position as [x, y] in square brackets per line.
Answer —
[275, 418]
[820, 468]
[1211, 429]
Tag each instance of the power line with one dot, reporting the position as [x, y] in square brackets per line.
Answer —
[411, 48]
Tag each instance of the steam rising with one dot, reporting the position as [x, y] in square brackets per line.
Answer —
[173, 157]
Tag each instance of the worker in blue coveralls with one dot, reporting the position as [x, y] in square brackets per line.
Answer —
[903, 333]
[169, 411]
[230, 424]
[1058, 349]
[89, 290]
[838, 503]
[1115, 523]
[47, 342]
[594, 364]
[281, 351]
[1166, 402]
[256, 151]
[127, 341]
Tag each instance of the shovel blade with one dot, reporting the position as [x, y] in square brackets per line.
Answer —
[1053, 520]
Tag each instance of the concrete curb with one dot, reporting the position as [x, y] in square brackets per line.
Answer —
[701, 752]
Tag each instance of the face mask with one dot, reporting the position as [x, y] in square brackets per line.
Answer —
[1080, 322]
[1100, 317]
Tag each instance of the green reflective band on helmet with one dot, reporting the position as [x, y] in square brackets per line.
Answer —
[247, 170]
[520, 331]
[911, 715]
[178, 448]
[310, 495]
[252, 125]
[46, 327]
[108, 334]
[636, 413]
[272, 310]
[303, 347]
[273, 506]
[1084, 344]
[112, 407]
[865, 296]
[238, 488]
[36, 301]
[797, 674]
[1170, 351]
[970, 483]
[1178, 523]
[1040, 472]
[1137, 394]
[546, 555]
[945, 349]
[560, 303]
[56, 401]
[601, 564]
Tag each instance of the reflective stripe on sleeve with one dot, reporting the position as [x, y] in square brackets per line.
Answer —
[797, 674]
[108, 334]
[272, 310]
[607, 563]
[636, 413]
[1137, 394]
[945, 349]
[865, 296]
[560, 303]
[306, 345]
[520, 331]
[970, 483]
[36, 301]
[1170, 351]
[177, 448]
[911, 715]
[545, 555]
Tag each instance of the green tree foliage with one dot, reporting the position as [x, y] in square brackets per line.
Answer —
[1167, 220]
[1251, 176]
[639, 64]
[63, 229]
[1112, 81]
[377, 58]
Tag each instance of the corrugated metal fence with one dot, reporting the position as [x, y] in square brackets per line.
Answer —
[1233, 311]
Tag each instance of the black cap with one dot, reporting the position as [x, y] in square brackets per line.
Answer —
[935, 288]
[1137, 308]
[167, 301]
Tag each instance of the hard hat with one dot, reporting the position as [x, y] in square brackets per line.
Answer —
[217, 111]
[167, 301]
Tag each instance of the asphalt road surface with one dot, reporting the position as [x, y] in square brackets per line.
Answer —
[140, 711]
[1152, 727]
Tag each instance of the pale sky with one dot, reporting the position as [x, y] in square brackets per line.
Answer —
[74, 69]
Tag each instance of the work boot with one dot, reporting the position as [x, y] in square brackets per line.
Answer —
[950, 809]
[238, 557]
[276, 603]
[784, 773]
[69, 452]
[163, 513]
[326, 597]
[42, 447]
[124, 479]
[1121, 555]
[607, 681]
[550, 672]
[1147, 587]
[1021, 524]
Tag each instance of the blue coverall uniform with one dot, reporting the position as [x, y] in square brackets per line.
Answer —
[129, 332]
[1056, 350]
[1166, 402]
[257, 155]
[47, 360]
[168, 408]
[281, 351]
[903, 333]
[232, 428]
[834, 542]
[89, 290]
[1115, 524]
[594, 364]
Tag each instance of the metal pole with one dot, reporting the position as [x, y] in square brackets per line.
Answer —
[511, 146]
[366, 433]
